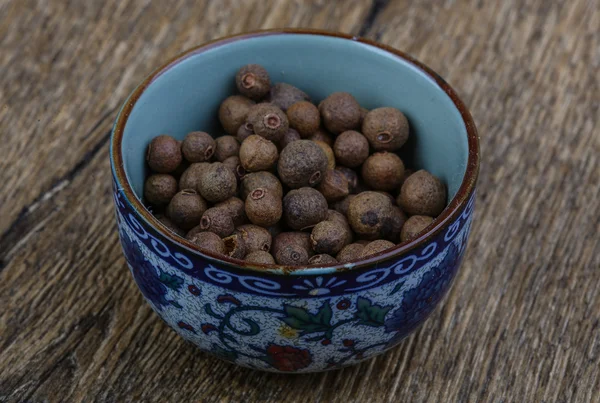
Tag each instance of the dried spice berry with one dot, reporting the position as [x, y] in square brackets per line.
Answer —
[369, 214]
[258, 154]
[255, 237]
[328, 153]
[351, 148]
[260, 179]
[263, 207]
[159, 189]
[322, 135]
[422, 194]
[334, 186]
[350, 252]
[190, 178]
[208, 242]
[233, 112]
[414, 226]
[383, 171]
[198, 147]
[322, 259]
[351, 178]
[186, 208]
[217, 220]
[338, 217]
[297, 238]
[375, 247]
[259, 257]
[225, 147]
[164, 154]
[288, 137]
[292, 255]
[328, 237]
[285, 95]
[385, 128]
[268, 121]
[252, 80]
[236, 210]
[407, 173]
[233, 163]
[304, 117]
[302, 163]
[217, 183]
[170, 225]
[235, 246]
[244, 131]
[340, 112]
[397, 220]
[304, 208]
[342, 205]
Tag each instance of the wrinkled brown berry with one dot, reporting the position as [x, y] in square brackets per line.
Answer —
[375, 247]
[255, 237]
[385, 128]
[422, 194]
[322, 135]
[350, 252]
[292, 255]
[198, 147]
[322, 259]
[414, 226]
[304, 117]
[334, 186]
[262, 179]
[236, 210]
[297, 238]
[328, 153]
[393, 231]
[303, 208]
[159, 189]
[285, 95]
[383, 171]
[225, 147]
[258, 154]
[186, 208]
[302, 163]
[288, 137]
[328, 237]
[252, 80]
[235, 246]
[338, 217]
[217, 183]
[369, 214]
[164, 154]
[259, 257]
[351, 148]
[268, 121]
[233, 163]
[263, 207]
[233, 112]
[217, 220]
[170, 225]
[208, 242]
[190, 178]
[342, 205]
[244, 131]
[340, 112]
[351, 177]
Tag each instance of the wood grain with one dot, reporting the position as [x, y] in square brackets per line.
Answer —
[522, 322]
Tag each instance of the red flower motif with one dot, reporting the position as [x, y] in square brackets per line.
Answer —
[193, 289]
[228, 299]
[348, 342]
[288, 358]
[185, 326]
[207, 328]
[326, 342]
[343, 304]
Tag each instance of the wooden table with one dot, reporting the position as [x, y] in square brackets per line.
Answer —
[522, 322]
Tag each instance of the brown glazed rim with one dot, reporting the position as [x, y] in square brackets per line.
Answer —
[445, 218]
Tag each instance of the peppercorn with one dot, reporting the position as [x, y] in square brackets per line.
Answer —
[258, 154]
[322, 135]
[297, 238]
[217, 220]
[351, 148]
[252, 80]
[385, 128]
[263, 207]
[208, 242]
[342, 205]
[285, 95]
[383, 171]
[255, 237]
[292, 255]
[186, 208]
[164, 154]
[225, 147]
[159, 189]
[302, 163]
[262, 179]
[304, 208]
[235, 209]
[334, 186]
[268, 121]
[414, 226]
[235, 246]
[340, 112]
[368, 214]
[190, 178]
[422, 194]
[233, 112]
[375, 247]
[244, 131]
[259, 257]
[217, 183]
[288, 137]
[328, 153]
[350, 252]
[328, 237]
[323, 258]
[304, 117]
[198, 147]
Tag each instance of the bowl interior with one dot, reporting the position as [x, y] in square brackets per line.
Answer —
[185, 96]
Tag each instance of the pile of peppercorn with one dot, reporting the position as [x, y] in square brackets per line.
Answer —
[292, 183]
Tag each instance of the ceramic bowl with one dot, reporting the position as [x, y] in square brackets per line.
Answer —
[310, 318]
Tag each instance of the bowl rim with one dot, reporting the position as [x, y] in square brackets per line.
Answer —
[448, 215]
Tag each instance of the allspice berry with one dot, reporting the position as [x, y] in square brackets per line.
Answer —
[351, 148]
[198, 147]
[340, 112]
[217, 183]
[383, 171]
[375, 247]
[350, 252]
[341, 219]
[302, 163]
[297, 238]
[233, 112]
[164, 154]
[225, 147]
[217, 220]
[292, 255]
[407, 173]
[233, 163]
[328, 153]
[328, 237]
[288, 137]
[385, 128]
[414, 226]
[235, 246]
[208, 242]
[334, 186]
[259, 257]
[186, 208]
[341, 206]
[268, 121]
[422, 194]
[170, 225]
[322, 258]
[263, 207]
[252, 80]
[369, 214]
[261, 179]
[190, 178]
[304, 117]
[235, 208]
[244, 131]
[255, 237]
[285, 95]
[304, 208]
[322, 135]
[351, 177]
[159, 189]
[258, 154]
[397, 220]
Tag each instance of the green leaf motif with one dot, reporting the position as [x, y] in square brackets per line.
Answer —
[301, 319]
[397, 288]
[171, 281]
[370, 314]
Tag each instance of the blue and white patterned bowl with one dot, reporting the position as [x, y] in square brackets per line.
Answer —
[310, 318]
